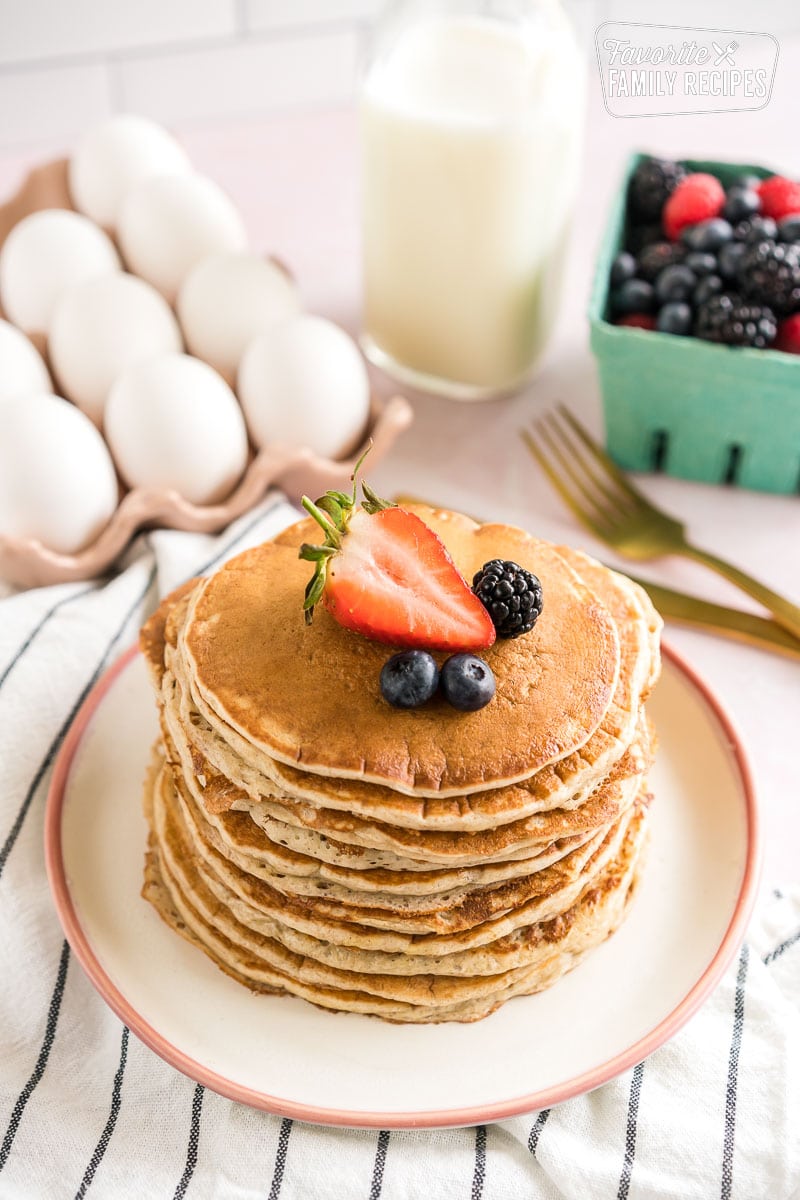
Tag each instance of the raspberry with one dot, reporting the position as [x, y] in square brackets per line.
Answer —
[637, 320]
[696, 198]
[779, 196]
[788, 339]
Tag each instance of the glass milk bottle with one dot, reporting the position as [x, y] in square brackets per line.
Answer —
[471, 120]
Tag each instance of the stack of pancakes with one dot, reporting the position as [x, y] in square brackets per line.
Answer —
[422, 865]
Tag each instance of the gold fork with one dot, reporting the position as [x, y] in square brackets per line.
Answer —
[617, 513]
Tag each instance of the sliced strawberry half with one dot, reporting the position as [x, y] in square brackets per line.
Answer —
[385, 574]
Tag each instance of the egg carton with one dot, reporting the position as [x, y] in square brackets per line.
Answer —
[27, 563]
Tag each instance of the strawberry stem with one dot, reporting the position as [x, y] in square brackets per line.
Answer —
[332, 512]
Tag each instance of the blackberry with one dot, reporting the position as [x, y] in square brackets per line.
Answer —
[511, 595]
[651, 185]
[769, 273]
[654, 258]
[729, 319]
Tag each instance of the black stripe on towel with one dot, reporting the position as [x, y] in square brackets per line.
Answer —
[733, 1075]
[50, 612]
[105, 1136]
[630, 1132]
[44, 1054]
[280, 1158]
[380, 1164]
[781, 949]
[479, 1175]
[194, 1143]
[239, 537]
[58, 739]
[536, 1132]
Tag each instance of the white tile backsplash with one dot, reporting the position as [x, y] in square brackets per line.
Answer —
[52, 104]
[262, 74]
[46, 29]
[281, 14]
[63, 63]
[768, 16]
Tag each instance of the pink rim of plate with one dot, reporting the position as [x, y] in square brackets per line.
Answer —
[666, 1028]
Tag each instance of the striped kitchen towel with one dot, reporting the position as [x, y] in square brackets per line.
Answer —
[86, 1109]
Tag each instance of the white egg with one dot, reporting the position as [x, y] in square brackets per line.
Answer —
[57, 481]
[303, 383]
[45, 254]
[226, 300]
[103, 327]
[169, 223]
[115, 156]
[173, 422]
[22, 370]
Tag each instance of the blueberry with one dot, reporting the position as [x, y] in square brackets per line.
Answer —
[728, 259]
[755, 229]
[740, 204]
[707, 236]
[700, 263]
[633, 296]
[708, 286]
[409, 679]
[622, 268]
[467, 682]
[747, 182]
[789, 228]
[675, 318]
[675, 283]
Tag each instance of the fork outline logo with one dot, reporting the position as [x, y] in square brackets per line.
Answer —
[664, 70]
[725, 55]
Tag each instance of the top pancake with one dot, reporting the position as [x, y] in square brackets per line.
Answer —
[309, 695]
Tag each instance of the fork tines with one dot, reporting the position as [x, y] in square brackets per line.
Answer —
[566, 452]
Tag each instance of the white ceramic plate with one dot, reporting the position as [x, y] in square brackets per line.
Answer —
[282, 1054]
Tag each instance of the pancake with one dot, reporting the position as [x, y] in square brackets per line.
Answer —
[540, 953]
[346, 839]
[566, 784]
[279, 917]
[245, 638]
[420, 866]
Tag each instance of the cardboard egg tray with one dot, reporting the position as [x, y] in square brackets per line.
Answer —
[28, 563]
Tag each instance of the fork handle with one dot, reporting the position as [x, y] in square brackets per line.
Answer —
[784, 612]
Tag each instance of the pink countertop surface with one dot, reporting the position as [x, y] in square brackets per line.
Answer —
[295, 178]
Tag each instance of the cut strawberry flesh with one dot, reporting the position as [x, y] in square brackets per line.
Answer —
[395, 582]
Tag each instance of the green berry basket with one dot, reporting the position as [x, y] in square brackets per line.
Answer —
[694, 409]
